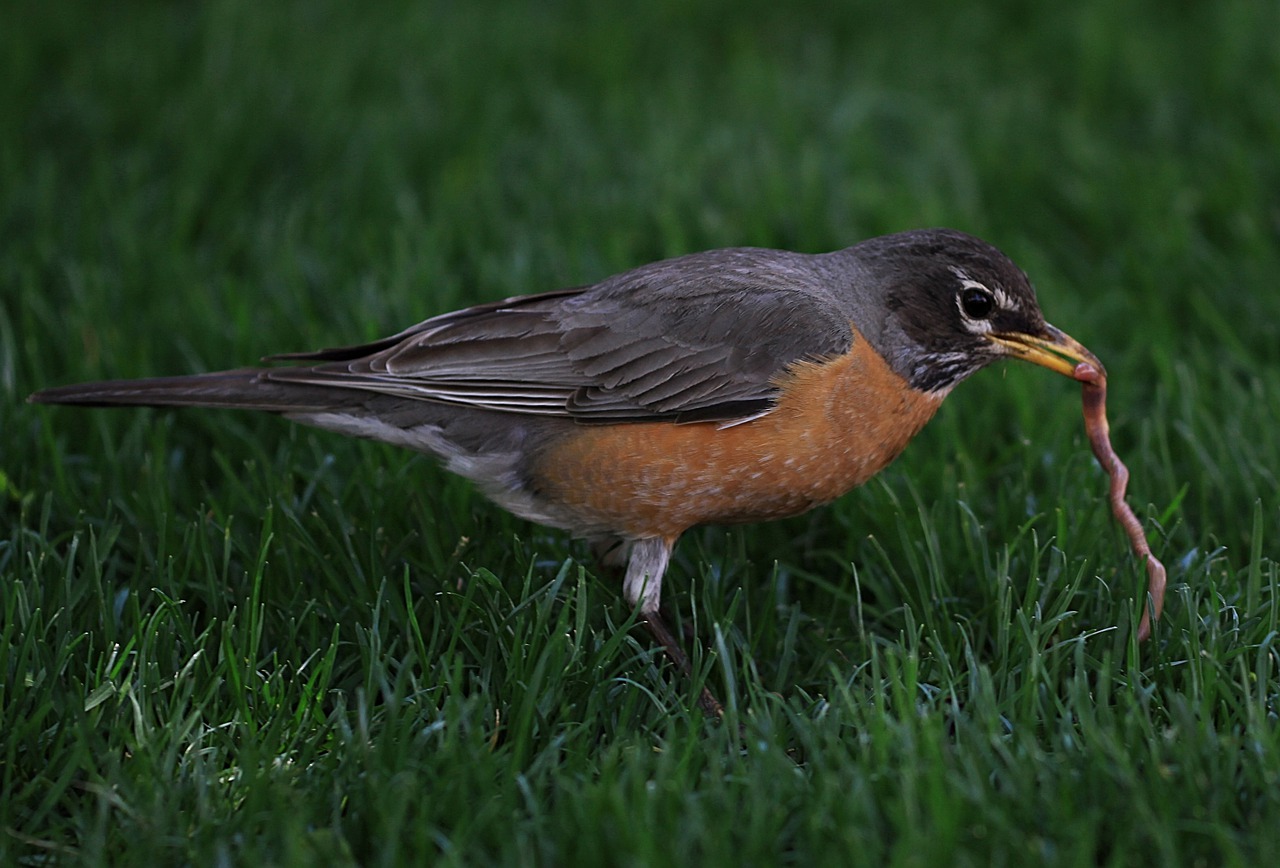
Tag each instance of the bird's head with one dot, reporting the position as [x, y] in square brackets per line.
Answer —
[952, 304]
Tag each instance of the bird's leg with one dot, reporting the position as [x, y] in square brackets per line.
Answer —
[612, 555]
[642, 586]
[659, 630]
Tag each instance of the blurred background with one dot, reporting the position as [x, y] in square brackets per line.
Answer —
[365, 651]
[189, 186]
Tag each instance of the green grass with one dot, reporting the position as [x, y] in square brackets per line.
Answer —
[227, 640]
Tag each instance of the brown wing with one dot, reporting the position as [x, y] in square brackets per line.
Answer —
[702, 337]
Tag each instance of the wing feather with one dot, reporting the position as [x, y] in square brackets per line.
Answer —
[703, 337]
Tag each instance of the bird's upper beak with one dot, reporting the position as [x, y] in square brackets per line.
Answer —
[1054, 350]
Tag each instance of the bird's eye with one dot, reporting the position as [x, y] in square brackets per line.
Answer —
[976, 303]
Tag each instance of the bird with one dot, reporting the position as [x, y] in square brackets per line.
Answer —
[727, 386]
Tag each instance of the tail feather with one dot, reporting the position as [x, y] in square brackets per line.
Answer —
[486, 446]
[243, 389]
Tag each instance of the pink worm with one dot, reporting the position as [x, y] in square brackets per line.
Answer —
[1094, 384]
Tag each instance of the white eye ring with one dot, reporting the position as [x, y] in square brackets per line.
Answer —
[979, 323]
[976, 302]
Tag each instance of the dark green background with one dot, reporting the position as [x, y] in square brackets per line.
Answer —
[223, 637]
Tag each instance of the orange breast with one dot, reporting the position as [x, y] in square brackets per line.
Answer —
[836, 425]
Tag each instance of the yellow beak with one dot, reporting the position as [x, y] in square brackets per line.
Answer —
[1056, 350]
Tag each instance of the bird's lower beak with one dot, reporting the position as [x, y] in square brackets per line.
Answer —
[1054, 350]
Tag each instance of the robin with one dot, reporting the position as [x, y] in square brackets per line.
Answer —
[733, 385]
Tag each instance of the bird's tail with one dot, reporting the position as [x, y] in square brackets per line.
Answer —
[243, 389]
[485, 446]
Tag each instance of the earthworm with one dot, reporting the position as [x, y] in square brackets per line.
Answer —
[1094, 394]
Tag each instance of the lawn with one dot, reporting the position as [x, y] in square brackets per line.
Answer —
[225, 639]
